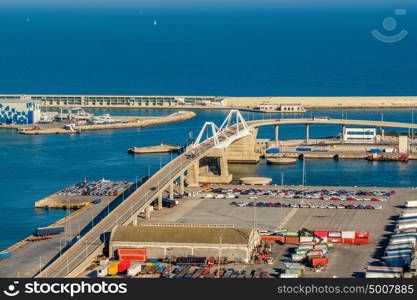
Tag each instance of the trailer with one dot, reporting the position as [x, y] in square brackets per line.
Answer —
[101, 271]
[412, 203]
[41, 231]
[134, 270]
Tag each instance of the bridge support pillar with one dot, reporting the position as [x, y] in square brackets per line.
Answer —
[182, 177]
[342, 136]
[276, 135]
[148, 212]
[160, 201]
[194, 175]
[382, 133]
[171, 191]
[307, 136]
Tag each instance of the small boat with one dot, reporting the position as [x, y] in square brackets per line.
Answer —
[401, 158]
[281, 161]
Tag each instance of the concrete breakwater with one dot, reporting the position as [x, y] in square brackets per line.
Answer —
[145, 122]
[326, 102]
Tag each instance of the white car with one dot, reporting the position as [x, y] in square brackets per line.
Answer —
[208, 196]
[253, 197]
[230, 196]
[220, 196]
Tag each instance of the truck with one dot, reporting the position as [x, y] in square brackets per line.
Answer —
[101, 271]
[412, 203]
[134, 270]
[42, 231]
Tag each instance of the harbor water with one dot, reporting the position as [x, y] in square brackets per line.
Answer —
[39, 165]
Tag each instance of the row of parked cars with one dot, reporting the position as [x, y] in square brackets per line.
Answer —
[184, 271]
[324, 194]
[305, 205]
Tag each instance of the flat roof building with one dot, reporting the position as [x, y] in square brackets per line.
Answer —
[19, 111]
[120, 100]
[186, 240]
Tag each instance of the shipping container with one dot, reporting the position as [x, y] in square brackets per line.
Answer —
[134, 269]
[412, 203]
[123, 266]
[318, 262]
[398, 252]
[103, 261]
[334, 234]
[385, 269]
[348, 234]
[292, 240]
[402, 239]
[101, 271]
[334, 240]
[408, 225]
[302, 149]
[400, 247]
[375, 150]
[291, 233]
[361, 241]
[132, 254]
[112, 269]
[305, 247]
[409, 212]
[306, 239]
[397, 261]
[297, 257]
[272, 151]
[49, 230]
[378, 274]
[361, 234]
[348, 241]
[287, 275]
[321, 234]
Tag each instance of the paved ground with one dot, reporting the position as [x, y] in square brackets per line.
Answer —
[345, 260]
[27, 258]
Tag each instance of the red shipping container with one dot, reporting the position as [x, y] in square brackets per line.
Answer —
[139, 251]
[334, 240]
[123, 266]
[321, 233]
[362, 235]
[316, 262]
[348, 241]
[272, 238]
[361, 241]
[133, 257]
[292, 239]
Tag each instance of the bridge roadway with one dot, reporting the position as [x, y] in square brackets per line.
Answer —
[380, 124]
[78, 253]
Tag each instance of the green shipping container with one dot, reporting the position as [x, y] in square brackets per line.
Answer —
[292, 233]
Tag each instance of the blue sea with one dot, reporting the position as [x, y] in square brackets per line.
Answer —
[272, 48]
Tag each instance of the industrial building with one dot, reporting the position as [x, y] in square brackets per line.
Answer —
[19, 111]
[120, 100]
[359, 135]
[186, 240]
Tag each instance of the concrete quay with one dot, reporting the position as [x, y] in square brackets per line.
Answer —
[145, 122]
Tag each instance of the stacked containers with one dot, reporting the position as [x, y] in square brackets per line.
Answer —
[132, 254]
[113, 269]
[123, 266]
[361, 238]
[292, 237]
[348, 237]
[334, 237]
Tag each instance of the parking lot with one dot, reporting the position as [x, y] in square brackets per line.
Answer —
[345, 260]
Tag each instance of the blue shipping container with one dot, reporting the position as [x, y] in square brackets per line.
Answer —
[375, 150]
[272, 151]
[302, 149]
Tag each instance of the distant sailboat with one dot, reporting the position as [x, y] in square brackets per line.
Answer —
[155, 23]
